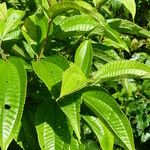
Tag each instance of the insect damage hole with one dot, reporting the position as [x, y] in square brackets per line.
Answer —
[6, 106]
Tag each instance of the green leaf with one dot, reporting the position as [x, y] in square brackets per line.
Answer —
[127, 27]
[105, 107]
[27, 137]
[3, 11]
[105, 55]
[105, 138]
[13, 21]
[130, 5]
[83, 57]
[74, 25]
[75, 145]
[76, 5]
[113, 39]
[35, 29]
[73, 80]
[12, 98]
[71, 107]
[122, 68]
[50, 70]
[99, 3]
[52, 129]
[12, 35]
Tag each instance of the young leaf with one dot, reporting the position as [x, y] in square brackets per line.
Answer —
[105, 138]
[130, 5]
[12, 98]
[73, 80]
[127, 27]
[51, 127]
[71, 107]
[122, 68]
[83, 57]
[105, 107]
[50, 70]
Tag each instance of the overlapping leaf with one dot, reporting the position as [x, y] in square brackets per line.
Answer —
[71, 107]
[82, 6]
[35, 29]
[50, 70]
[52, 129]
[75, 25]
[105, 107]
[12, 98]
[130, 5]
[27, 137]
[105, 138]
[127, 27]
[12, 22]
[73, 80]
[122, 68]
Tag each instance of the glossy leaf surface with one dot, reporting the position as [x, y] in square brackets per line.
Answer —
[122, 68]
[105, 107]
[50, 70]
[12, 98]
[105, 138]
[83, 57]
[71, 107]
[73, 80]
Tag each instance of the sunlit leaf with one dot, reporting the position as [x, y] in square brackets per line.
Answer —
[12, 98]
[105, 107]
[71, 107]
[122, 68]
[83, 57]
[105, 138]
[127, 27]
[50, 70]
[130, 5]
[73, 80]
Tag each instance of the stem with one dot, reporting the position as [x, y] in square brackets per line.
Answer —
[45, 41]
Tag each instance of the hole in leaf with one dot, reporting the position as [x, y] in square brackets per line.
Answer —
[6, 106]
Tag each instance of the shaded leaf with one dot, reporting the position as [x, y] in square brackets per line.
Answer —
[52, 129]
[27, 137]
